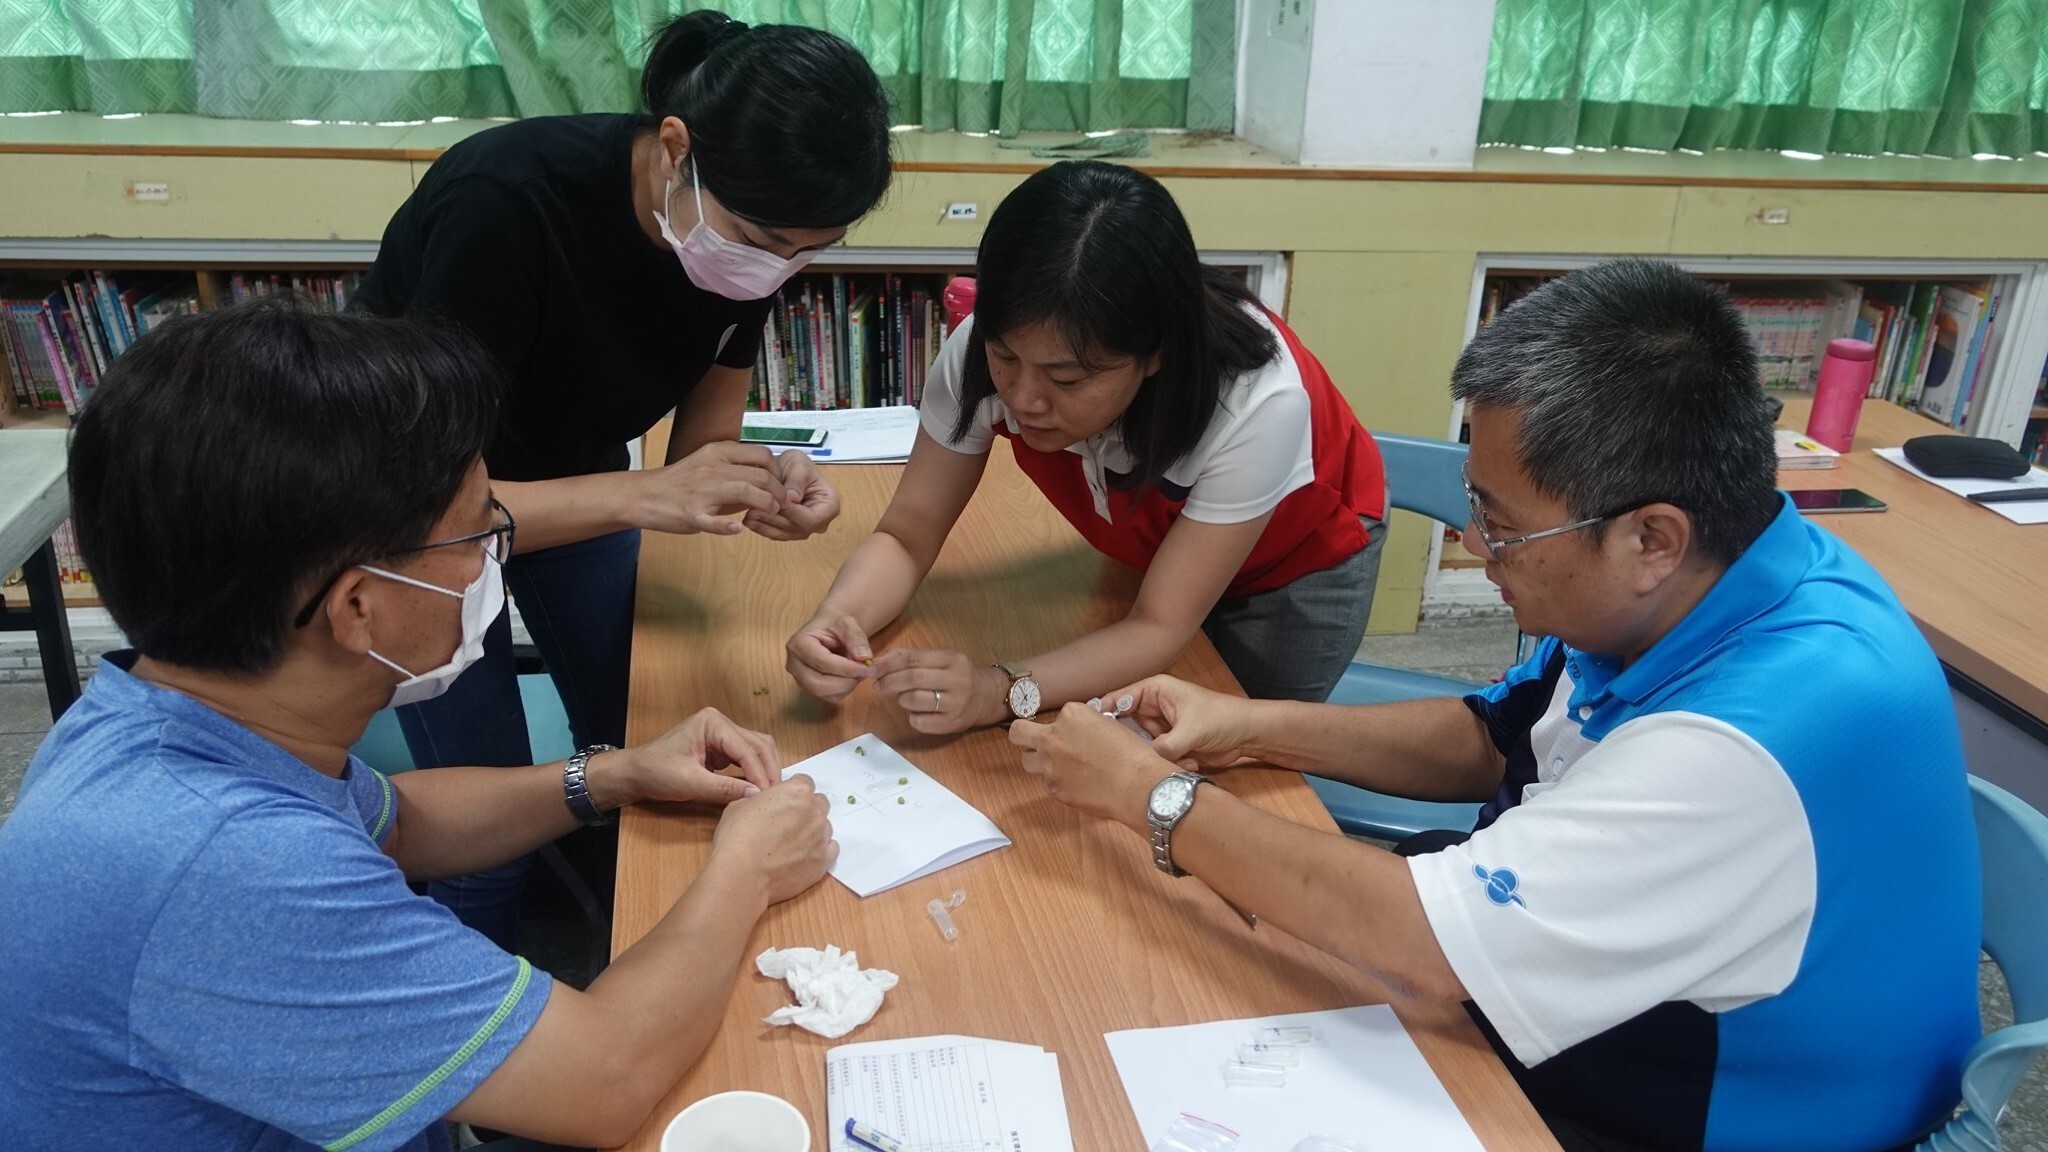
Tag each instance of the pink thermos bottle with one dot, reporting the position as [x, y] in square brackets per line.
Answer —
[959, 301]
[1838, 395]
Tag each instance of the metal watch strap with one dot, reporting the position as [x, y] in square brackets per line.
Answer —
[1162, 832]
[576, 793]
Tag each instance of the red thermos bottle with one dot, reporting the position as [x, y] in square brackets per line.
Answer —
[1838, 395]
[959, 301]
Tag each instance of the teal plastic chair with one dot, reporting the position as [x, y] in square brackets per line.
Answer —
[1425, 477]
[547, 731]
[2013, 841]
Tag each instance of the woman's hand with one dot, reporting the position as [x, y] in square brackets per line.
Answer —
[829, 656]
[942, 690]
[810, 504]
[704, 490]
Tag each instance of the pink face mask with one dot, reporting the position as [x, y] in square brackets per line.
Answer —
[733, 270]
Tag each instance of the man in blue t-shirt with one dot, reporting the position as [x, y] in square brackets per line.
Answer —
[1724, 890]
[208, 932]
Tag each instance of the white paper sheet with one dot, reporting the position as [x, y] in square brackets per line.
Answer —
[894, 824]
[857, 435]
[1363, 1079]
[2026, 512]
[948, 1094]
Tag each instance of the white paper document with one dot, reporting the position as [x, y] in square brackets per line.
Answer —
[856, 435]
[1362, 1078]
[894, 824]
[2024, 512]
[948, 1094]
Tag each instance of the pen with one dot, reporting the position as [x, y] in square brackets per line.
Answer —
[2011, 495]
[819, 451]
[867, 1137]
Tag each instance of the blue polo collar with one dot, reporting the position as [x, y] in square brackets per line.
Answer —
[1759, 580]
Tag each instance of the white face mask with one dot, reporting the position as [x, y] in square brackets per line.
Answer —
[481, 603]
[734, 270]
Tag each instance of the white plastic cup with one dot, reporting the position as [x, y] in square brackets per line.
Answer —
[738, 1122]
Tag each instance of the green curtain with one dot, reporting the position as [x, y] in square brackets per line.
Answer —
[1920, 77]
[973, 65]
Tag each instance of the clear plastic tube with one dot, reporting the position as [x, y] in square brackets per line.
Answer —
[941, 914]
[1241, 1074]
[1284, 1034]
[1283, 1054]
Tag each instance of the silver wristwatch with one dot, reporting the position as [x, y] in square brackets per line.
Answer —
[1170, 801]
[576, 794]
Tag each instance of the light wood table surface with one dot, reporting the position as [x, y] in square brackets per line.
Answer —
[1971, 578]
[1065, 935]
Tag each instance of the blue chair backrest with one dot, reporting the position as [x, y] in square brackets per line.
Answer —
[1426, 476]
[2012, 839]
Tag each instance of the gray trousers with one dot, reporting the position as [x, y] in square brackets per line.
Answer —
[1293, 643]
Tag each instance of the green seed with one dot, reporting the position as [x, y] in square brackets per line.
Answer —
[899, 800]
[903, 779]
[850, 800]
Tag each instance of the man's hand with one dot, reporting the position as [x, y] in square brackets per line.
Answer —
[1193, 727]
[683, 765]
[1090, 762]
[781, 836]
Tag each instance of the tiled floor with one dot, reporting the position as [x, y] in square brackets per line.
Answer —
[1476, 650]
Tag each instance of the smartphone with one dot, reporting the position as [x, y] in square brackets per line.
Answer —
[1815, 501]
[800, 437]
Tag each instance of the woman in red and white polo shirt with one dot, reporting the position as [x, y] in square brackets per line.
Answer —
[1182, 428]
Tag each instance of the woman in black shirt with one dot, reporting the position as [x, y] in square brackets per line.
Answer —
[620, 266]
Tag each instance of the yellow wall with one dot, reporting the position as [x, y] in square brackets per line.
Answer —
[1381, 275]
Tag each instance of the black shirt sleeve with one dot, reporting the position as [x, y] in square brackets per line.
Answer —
[745, 345]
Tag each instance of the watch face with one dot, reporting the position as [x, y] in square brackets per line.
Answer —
[1170, 797]
[1024, 699]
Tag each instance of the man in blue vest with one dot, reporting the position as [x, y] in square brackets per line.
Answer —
[1724, 890]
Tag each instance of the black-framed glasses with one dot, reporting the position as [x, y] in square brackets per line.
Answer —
[1494, 546]
[496, 541]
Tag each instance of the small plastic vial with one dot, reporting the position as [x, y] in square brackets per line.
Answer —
[1284, 1054]
[1244, 1074]
[942, 914]
[1284, 1034]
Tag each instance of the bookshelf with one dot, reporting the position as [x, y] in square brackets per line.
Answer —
[84, 279]
[2006, 399]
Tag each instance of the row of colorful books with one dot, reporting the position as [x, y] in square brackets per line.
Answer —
[848, 340]
[1933, 338]
[61, 333]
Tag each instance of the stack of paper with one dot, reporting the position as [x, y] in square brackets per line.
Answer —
[853, 435]
[894, 824]
[1361, 1078]
[2019, 512]
[1796, 450]
[948, 1094]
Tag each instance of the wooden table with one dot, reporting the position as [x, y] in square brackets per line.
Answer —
[1971, 578]
[33, 503]
[1065, 935]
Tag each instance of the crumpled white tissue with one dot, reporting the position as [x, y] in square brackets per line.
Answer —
[833, 995]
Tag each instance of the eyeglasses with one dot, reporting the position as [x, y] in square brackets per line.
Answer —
[496, 540]
[1495, 546]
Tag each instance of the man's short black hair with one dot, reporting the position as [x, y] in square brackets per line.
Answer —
[232, 463]
[1637, 384]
